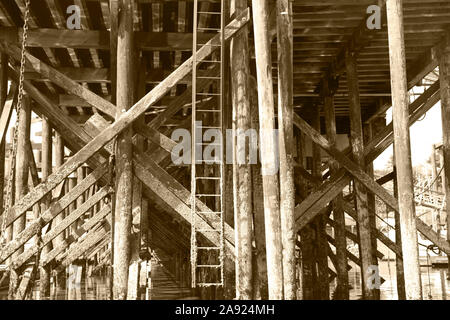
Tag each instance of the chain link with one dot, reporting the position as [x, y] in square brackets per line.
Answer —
[13, 151]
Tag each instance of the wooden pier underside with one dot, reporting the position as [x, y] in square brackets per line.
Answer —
[71, 78]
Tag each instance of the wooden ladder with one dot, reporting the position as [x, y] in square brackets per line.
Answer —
[207, 173]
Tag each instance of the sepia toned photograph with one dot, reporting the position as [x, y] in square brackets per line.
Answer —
[224, 155]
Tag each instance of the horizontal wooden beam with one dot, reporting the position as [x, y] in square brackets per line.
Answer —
[92, 39]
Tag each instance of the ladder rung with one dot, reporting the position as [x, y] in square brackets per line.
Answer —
[208, 248]
[209, 127]
[210, 284]
[208, 29]
[206, 110]
[207, 178]
[207, 144]
[207, 94]
[211, 78]
[209, 44]
[213, 12]
[209, 266]
[210, 212]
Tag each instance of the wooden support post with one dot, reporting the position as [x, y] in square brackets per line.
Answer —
[3, 94]
[308, 269]
[260, 265]
[21, 176]
[268, 150]
[400, 115]
[371, 205]
[137, 212]
[286, 143]
[357, 142]
[400, 274]
[242, 177]
[59, 160]
[46, 170]
[113, 34]
[433, 154]
[444, 77]
[342, 288]
[124, 152]
[322, 288]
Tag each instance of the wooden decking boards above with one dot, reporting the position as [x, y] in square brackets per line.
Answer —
[323, 31]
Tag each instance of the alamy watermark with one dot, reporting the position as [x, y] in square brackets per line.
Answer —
[373, 277]
[240, 146]
[74, 20]
[374, 20]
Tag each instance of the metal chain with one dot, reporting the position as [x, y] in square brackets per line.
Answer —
[13, 151]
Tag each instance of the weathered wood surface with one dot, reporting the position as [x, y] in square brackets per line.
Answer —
[400, 101]
[60, 79]
[367, 181]
[93, 39]
[444, 75]
[51, 212]
[120, 124]
[242, 186]
[63, 225]
[59, 252]
[286, 144]
[269, 161]
[361, 197]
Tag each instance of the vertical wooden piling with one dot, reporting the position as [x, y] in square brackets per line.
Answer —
[444, 77]
[268, 150]
[357, 143]
[3, 94]
[46, 170]
[400, 274]
[286, 143]
[242, 178]
[124, 173]
[307, 260]
[21, 176]
[400, 115]
[21, 179]
[342, 289]
[59, 160]
[260, 266]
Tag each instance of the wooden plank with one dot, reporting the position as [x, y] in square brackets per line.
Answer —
[83, 229]
[78, 249]
[55, 208]
[307, 210]
[64, 224]
[368, 182]
[122, 122]
[146, 169]
[60, 79]
[380, 235]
